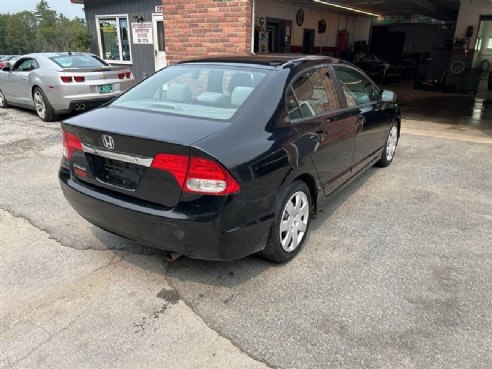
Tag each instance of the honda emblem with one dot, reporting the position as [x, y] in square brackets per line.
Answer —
[108, 142]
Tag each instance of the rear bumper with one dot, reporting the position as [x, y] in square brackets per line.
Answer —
[193, 235]
[85, 105]
[64, 97]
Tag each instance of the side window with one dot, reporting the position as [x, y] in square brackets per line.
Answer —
[315, 93]
[26, 65]
[357, 88]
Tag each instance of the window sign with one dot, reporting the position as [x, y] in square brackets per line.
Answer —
[114, 39]
[142, 33]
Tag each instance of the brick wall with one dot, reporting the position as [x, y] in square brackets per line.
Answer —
[196, 28]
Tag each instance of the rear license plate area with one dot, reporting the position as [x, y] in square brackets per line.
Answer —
[118, 173]
[105, 89]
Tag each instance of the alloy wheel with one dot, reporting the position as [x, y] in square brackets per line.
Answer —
[2, 99]
[40, 104]
[391, 143]
[294, 221]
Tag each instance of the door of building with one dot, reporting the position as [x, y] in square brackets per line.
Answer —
[308, 41]
[159, 47]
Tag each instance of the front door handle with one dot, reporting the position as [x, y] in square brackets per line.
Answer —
[360, 124]
[319, 136]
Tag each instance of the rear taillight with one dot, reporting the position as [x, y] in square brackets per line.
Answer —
[67, 79]
[121, 75]
[79, 78]
[207, 176]
[71, 143]
[197, 175]
[177, 165]
[128, 74]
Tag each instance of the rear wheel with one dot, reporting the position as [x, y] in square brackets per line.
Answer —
[43, 107]
[389, 147]
[291, 225]
[3, 101]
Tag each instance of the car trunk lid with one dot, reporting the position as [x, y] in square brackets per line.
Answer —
[117, 154]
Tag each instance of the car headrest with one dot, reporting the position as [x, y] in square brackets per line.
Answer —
[240, 79]
[240, 94]
[179, 92]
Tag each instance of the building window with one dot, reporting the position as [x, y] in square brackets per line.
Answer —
[489, 43]
[114, 39]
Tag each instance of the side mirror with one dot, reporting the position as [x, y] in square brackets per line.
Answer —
[7, 69]
[388, 96]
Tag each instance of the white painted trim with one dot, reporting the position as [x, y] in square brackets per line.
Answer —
[158, 17]
[253, 24]
[99, 41]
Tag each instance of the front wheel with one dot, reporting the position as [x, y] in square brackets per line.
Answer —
[291, 224]
[3, 101]
[43, 107]
[389, 147]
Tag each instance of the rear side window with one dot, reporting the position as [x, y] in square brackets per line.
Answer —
[357, 88]
[315, 94]
[78, 61]
[201, 91]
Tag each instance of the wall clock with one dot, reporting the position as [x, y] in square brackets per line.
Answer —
[300, 17]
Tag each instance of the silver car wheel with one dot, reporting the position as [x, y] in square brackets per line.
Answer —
[294, 221]
[2, 99]
[40, 104]
[391, 143]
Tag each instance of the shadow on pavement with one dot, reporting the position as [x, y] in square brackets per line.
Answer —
[235, 273]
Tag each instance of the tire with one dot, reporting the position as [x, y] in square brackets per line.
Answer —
[281, 247]
[43, 107]
[389, 147]
[3, 101]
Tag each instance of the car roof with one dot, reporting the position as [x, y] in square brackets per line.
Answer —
[273, 61]
[54, 54]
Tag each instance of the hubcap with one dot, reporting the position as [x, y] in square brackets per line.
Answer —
[2, 98]
[293, 224]
[40, 106]
[391, 144]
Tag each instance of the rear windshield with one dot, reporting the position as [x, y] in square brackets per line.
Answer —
[202, 91]
[78, 61]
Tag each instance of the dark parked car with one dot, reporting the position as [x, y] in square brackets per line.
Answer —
[224, 157]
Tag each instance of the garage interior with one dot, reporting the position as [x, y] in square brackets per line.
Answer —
[433, 53]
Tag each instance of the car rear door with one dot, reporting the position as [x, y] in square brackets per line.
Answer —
[315, 112]
[368, 111]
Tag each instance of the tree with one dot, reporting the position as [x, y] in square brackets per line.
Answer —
[47, 33]
[41, 31]
[3, 32]
[21, 33]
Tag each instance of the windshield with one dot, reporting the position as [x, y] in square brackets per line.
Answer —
[202, 91]
[78, 61]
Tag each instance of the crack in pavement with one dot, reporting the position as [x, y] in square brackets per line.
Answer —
[114, 260]
[216, 330]
[51, 336]
[9, 363]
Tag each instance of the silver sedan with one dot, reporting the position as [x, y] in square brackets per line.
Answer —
[61, 83]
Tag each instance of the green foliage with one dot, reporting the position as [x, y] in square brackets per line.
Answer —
[41, 31]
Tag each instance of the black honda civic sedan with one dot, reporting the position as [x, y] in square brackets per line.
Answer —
[223, 157]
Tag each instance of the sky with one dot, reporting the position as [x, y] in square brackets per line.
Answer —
[61, 6]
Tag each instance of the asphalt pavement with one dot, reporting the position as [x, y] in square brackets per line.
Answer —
[397, 273]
